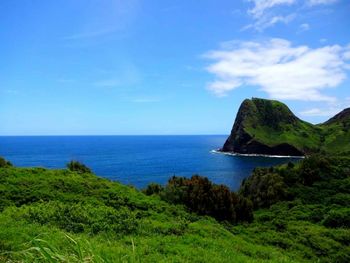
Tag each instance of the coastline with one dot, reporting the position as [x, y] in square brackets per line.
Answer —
[218, 151]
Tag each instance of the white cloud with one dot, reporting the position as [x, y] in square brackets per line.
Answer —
[268, 21]
[267, 13]
[264, 17]
[305, 27]
[260, 6]
[320, 112]
[278, 68]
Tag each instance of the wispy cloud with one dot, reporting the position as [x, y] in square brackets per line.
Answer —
[304, 27]
[328, 109]
[268, 21]
[278, 68]
[263, 16]
[261, 6]
[102, 18]
[318, 112]
[267, 13]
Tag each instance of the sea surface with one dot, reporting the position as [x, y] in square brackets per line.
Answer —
[136, 160]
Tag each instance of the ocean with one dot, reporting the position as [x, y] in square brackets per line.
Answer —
[136, 160]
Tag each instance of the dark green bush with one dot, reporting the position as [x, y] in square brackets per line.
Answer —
[205, 198]
[313, 168]
[337, 218]
[78, 167]
[153, 188]
[264, 188]
[4, 163]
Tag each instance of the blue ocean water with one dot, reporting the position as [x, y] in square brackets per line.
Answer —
[136, 160]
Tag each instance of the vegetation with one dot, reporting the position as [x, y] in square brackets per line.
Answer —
[78, 167]
[4, 163]
[270, 123]
[301, 215]
[203, 197]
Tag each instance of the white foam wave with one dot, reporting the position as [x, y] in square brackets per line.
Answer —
[256, 155]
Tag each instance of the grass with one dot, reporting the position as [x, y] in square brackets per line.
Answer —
[66, 216]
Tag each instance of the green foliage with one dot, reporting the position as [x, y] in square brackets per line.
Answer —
[205, 198]
[272, 123]
[264, 188]
[78, 167]
[311, 216]
[81, 217]
[153, 188]
[66, 216]
[337, 218]
[4, 163]
[109, 222]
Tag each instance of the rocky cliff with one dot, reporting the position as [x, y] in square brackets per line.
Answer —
[269, 127]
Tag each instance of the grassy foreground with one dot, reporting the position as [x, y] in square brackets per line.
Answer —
[68, 216]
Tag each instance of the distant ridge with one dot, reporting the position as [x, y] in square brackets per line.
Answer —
[269, 127]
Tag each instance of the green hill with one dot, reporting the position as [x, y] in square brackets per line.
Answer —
[75, 216]
[269, 127]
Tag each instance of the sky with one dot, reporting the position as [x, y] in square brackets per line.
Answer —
[132, 67]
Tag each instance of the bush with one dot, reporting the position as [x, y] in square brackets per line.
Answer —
[313, 168]
[264, 188]
[205, 198]
[153, 188]
[338, 218]
[4, 163]
[78, 167]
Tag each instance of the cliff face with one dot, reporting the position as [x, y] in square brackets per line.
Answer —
[253, 113]
[269, 127]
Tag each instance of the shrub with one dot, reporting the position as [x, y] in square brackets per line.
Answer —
[312, 169]
[338, 218]
[4, 163]
[264, 188]
[205, 198]
[153, 188]
[78, 167]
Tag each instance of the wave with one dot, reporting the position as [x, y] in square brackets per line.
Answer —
[256, 155]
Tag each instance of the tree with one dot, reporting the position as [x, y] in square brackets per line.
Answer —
[4, 163]
[78, 167]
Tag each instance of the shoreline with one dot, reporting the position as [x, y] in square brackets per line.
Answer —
[255, 155]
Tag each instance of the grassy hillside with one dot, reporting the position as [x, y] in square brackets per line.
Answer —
[336, 133]
[73, 216]
[271, 123]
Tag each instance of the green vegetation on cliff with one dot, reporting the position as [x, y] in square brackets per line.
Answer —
[269, 127]
[301, 215]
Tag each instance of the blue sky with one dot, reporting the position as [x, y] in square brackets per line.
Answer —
[167, 67]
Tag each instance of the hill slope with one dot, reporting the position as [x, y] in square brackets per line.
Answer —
[65, 216]
[269, 127]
